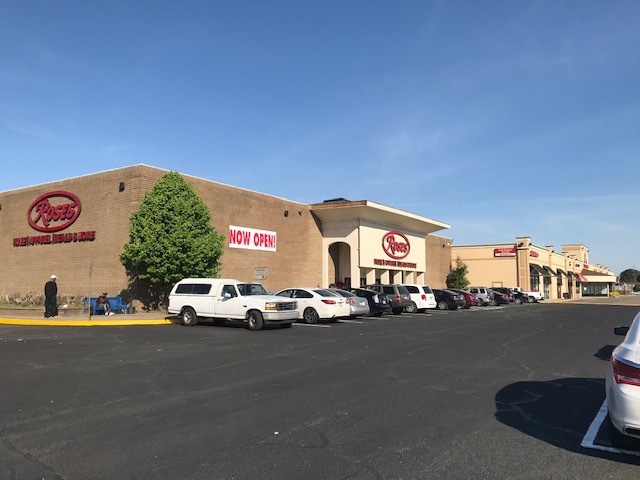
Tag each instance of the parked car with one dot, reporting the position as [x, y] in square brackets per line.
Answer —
[448, 300]
[623, 381]
[422, 298]
[378, 302]
[482, 293]
[359, 306]
[519, 298]
[470, 300]
[398, 296]
[506, 291]
[317, 303]
[498, 298]
[225, 298]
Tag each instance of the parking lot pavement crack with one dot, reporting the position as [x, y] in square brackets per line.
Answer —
[23, 464]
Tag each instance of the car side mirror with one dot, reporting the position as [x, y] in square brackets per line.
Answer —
[620, 330]
[227, 295]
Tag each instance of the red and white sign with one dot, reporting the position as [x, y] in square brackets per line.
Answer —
[396, 245]
[533, 254]
[504, 252]
[252, 239]
[54, 211]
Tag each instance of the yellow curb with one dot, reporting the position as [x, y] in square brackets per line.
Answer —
[82, 323]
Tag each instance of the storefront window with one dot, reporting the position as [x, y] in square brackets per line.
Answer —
[535, 283]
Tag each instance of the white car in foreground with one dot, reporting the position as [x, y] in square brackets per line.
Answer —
[623, 381]
[317, 303]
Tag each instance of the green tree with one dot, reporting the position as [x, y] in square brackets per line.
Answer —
[457, 277]
[630, 275]
[170, 238]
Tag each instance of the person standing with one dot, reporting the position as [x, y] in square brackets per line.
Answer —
[51, 298]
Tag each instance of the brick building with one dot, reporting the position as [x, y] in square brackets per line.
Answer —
[76, 228]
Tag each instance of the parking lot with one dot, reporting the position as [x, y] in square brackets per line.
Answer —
[494, 392]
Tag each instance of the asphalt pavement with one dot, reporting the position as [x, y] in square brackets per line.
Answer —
[487, 393]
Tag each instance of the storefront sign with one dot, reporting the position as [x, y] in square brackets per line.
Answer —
[504, 252]
[394, 263]
[533, 253]
[53, 212]
[252, 239]
[396, 245]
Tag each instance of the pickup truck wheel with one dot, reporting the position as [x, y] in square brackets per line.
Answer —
[413, 308]
[254, 320]
[310, 316]
[189, 317]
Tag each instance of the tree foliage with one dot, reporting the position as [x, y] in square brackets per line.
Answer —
[457, 277]
[171, 237]
[630, 275]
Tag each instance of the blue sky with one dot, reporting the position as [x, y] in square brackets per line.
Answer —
[500, 118]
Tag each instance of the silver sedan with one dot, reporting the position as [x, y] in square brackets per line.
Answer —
[359, 306]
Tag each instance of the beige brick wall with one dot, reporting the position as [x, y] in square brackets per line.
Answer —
[438, 260]
[106, 211]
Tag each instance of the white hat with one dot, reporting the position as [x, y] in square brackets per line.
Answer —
[53, 276]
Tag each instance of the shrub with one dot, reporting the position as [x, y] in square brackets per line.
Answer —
[614, 294]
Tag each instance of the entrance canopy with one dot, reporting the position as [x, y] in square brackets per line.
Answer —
[342, 210]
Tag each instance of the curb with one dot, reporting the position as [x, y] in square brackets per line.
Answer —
[84, 323]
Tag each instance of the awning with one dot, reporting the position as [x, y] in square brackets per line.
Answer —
[550, 270]
[560, 271]
[581, 277]
[537, 270]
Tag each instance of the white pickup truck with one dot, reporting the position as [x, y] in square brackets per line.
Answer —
[537, 296]
[223, 298]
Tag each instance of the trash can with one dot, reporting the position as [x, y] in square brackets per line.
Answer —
[565, 295]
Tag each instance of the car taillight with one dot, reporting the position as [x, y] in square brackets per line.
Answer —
[398, 298]
[351, 301]
[624, 373]
[423, 296]
[328, 302]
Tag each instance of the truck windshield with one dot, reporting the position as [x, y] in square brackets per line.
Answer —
[246, 289]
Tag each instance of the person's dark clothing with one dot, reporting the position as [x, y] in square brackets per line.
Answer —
[50, 299]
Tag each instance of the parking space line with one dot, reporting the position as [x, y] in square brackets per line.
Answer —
[590, 436]
[311, 325]
[343, 320]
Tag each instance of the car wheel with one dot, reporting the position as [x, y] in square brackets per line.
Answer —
[442, 305]
[518, 301]
[285, 325]
[493, 303]
[413, 308]
[255, 320]
[189, 317]
[310, 315]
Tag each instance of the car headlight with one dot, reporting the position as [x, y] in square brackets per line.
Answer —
[271, 306]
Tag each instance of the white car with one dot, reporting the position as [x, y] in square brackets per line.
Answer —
[623, 381]
[422, 298]
[358, 306]
[317, 303]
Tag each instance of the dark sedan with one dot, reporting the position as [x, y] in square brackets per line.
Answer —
[498, 298]
[448, 300]
[378, 302]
